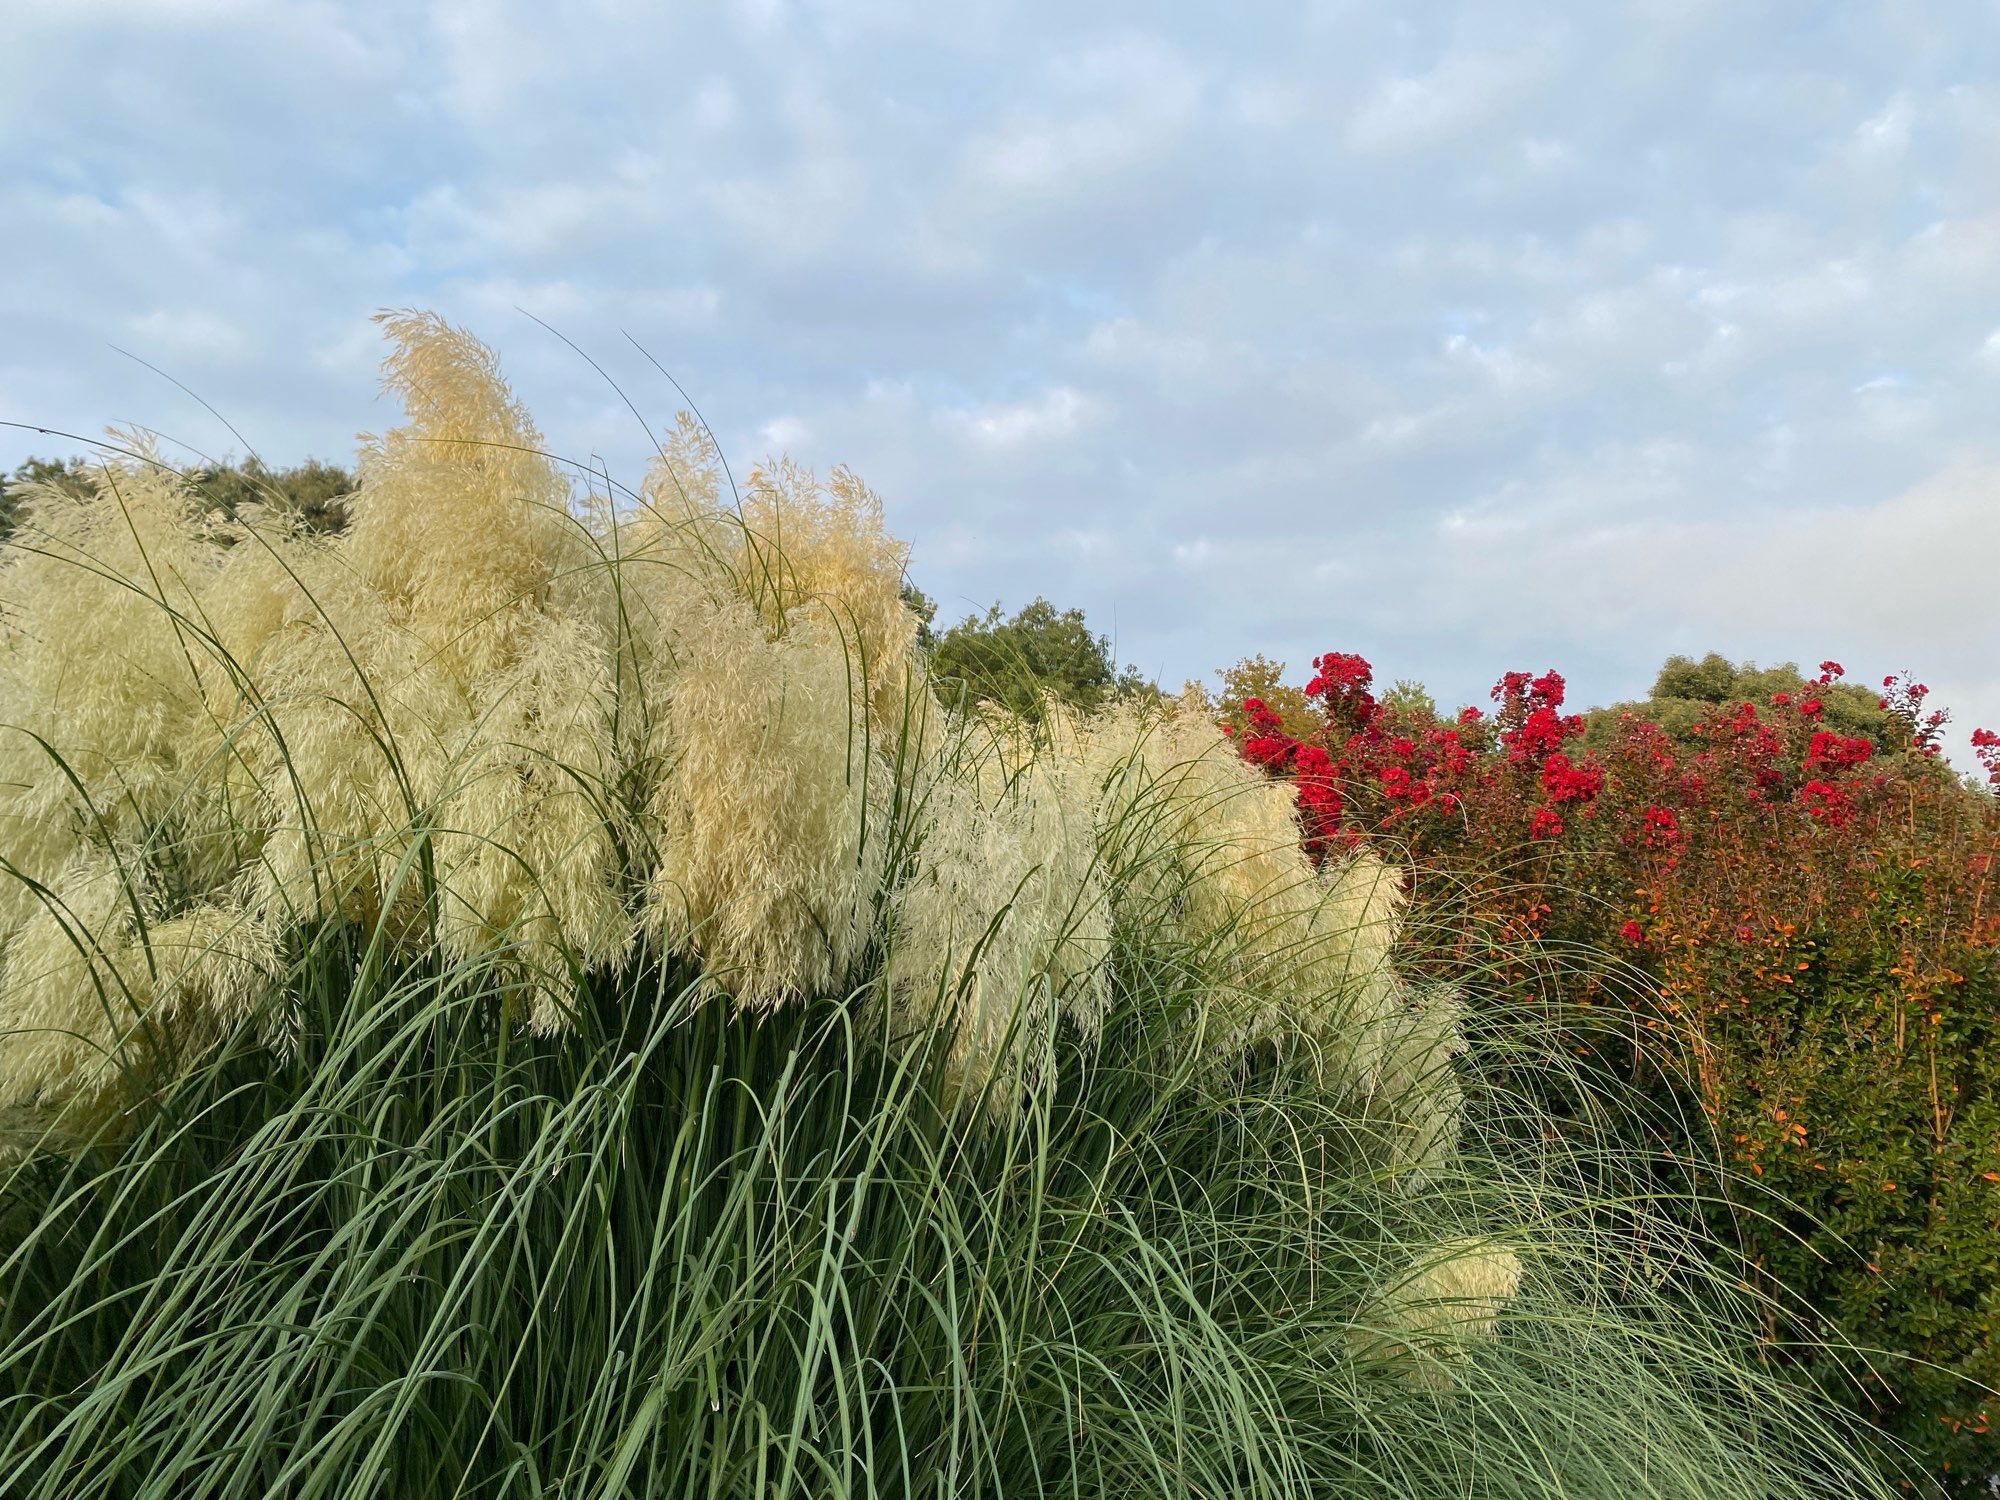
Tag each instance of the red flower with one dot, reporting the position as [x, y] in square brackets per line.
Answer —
[1660, 826]
[1566, 782]
[1341, 679]
[1986, 749]
[1827, 803]
[1631, 932]
[1545, 824]
[1836, 750]
[1269, 750]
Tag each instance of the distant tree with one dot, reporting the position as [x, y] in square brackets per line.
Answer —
[1040, 653]
[71, 475]
[924, 607]
[1409, 702]
[1687, 692]
[314, 493]
[1263, 679]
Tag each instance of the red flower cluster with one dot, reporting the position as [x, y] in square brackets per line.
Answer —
[1531, 727]
[1796, 906]
[1315, 774]
[1341, 672]
[1365, 767]
[1904, 699]
[1986, 748]
[1318, 793]
[1568, 782]
[1827, 803]
[1267, 744]
[1836, 751]
[1659, 828]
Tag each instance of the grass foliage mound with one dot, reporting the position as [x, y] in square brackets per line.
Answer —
[532, 995]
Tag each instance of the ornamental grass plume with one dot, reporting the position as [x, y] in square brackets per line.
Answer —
[1002, 921]
[419, 721]
[760, 818]
[824, 549]
[528, 997]
[99, 690]
[1427, 1321]
[1195, 837]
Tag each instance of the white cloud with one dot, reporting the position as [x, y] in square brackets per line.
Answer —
[1464, 91]
[716, 105]
[1195, 554]
[1509, 372]
[1545, 155]
[1086, 542]
[1961, 254]
[1054, 414]
[188, 331]
[784, 433]
[1106, 112]
[1348, 322]
[1887, 134]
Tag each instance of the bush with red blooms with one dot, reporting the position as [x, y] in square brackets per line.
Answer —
[1802, 932]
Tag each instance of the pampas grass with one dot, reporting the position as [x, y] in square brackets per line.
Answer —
[526, 998]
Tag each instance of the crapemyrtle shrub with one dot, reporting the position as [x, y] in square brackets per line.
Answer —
[1780, 921]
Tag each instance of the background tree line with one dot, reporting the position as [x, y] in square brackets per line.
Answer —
[313, 493]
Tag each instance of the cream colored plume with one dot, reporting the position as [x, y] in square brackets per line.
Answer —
[1423, 1325]
[93, 998]
[539, 735]
[102, 694]
[1003, 920]
[1203, 845]
[768, 862]
[1416, 1090]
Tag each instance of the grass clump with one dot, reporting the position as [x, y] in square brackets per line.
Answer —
[531, 995]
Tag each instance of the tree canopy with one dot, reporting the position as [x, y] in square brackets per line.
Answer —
[1025, 660]
[1687, 691]
[314, 493]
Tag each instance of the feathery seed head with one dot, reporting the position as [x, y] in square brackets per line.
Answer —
[532, 739]
[1430, 1317]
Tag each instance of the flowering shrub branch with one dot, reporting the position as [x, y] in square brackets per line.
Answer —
[1815, 917]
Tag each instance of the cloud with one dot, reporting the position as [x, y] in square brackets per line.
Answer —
[1461, 93]
[1108, 110]
[190, 331]
[1053, 415]
[1462, 335]
[784, 432]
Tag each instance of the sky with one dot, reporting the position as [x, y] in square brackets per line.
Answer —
[1465, 336]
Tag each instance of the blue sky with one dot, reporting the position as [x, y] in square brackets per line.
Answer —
[1464, 336]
